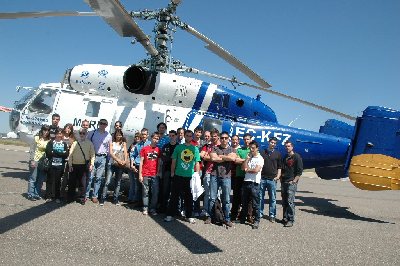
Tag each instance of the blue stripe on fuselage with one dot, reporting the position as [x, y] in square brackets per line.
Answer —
[197, 104]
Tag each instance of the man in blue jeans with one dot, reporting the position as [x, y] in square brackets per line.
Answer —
[270, 173]
[292, 169]
[101, 140]
[222, 157]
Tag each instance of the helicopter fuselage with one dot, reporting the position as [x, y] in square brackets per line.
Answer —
[178, 101]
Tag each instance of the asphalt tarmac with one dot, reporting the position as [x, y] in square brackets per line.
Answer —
[335, 224]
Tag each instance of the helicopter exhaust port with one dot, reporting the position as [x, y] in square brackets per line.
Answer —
[139, 81]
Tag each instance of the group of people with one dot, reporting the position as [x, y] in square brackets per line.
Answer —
[163, 169]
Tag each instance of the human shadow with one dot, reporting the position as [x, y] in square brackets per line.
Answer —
[194, 242]
[14, 220]
[21, 175]
[325, 207]
[191, 240]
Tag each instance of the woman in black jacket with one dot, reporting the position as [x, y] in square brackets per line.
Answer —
[57, 152]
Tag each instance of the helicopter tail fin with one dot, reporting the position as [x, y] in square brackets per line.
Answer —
[374, 161]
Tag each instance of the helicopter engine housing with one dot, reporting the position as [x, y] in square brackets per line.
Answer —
[110, 81]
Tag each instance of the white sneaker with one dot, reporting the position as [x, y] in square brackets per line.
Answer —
[183, 213]
[168, 219]
[145, 212]
[191, 220]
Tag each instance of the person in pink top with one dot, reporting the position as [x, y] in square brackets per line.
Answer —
[149, 174]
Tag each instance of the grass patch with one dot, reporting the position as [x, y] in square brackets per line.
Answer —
[15, 142]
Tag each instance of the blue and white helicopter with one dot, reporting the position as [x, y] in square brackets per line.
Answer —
[154, 90]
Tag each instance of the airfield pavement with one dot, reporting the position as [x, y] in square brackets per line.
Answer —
[335, 224]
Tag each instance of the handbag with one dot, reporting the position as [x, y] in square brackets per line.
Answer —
[44, 163]
[120, 155]
[87, 162]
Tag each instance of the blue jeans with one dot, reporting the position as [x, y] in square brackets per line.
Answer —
[134, 186]
[288, 197]
[117, 182]
[150, 184]
[96, 176]
[270, 185]
[225, 184]
[35, 183]
[206, 184]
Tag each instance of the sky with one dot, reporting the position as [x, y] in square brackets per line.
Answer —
[342, 54]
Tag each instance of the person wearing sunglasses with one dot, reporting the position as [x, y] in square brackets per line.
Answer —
[101, 140]
[81, 160]
[222, 157]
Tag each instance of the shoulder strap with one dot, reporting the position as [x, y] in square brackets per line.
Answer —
[84, 157]
[91, 138]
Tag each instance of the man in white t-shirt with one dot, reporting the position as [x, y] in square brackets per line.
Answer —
[252, 167]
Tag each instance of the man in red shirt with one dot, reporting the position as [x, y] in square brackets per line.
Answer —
[149, 174]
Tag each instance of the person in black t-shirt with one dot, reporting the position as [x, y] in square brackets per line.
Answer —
[166, 153]
[291, 172]
[270, 174]
[55, 120]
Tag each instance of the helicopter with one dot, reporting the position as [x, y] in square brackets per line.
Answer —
[155, 90]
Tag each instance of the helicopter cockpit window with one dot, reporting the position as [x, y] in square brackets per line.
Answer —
[217, 98]
[43, 102]
[20, 104]
[93, 109]
[225, 102]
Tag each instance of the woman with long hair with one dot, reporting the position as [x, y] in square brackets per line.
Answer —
[37, 175]
[68, 134]
[68, 138]
[119, 157]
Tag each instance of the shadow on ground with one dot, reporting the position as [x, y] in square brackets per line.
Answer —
[325, 207]
[24, 175]
[14, 220]
[181, 231]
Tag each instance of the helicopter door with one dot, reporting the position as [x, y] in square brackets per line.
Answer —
[104, 109]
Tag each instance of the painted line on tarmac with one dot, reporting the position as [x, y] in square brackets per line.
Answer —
[14, 150]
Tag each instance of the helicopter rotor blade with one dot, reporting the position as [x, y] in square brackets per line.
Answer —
[121, 21]
[262, 84]
[228, 57]
[42, 14]
[234, 80]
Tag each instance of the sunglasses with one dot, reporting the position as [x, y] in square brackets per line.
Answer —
[224, 137]
[102, 123]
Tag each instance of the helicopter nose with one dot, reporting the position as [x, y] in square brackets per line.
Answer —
[14, 120]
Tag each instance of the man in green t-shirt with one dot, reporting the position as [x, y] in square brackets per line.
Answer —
[185, 162]
[237, 189]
